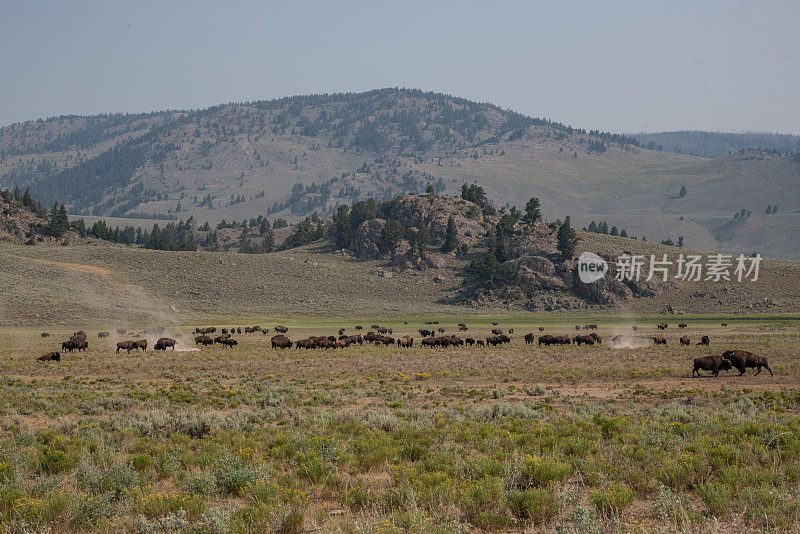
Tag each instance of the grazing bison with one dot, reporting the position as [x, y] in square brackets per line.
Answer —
[281, 342]
[359, 327]
[141, 344]
[682, 325]
[228, 342]
[74, 344]
[281, 329]
[165, 342]
[704, 341]
[375, 326]
[470, 341]
[659, 340]
[406, 341]
[715, 364]
[724, 324]
[590, 327]
[685, 340]
[383, 330]
[45, 334]
[496, 331]
[425, 333]
[103, 335]
[480, 343]
[50, 357]
[126, 345]
[541, 329]
[662, 326]
[441, 329]
[529, 338]
[741, 360]
[580, 340]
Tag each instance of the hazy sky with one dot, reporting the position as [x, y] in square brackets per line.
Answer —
[618, 66]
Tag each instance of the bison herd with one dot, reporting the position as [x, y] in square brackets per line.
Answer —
[380, 336]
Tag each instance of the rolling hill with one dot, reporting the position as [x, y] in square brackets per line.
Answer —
[293, 156]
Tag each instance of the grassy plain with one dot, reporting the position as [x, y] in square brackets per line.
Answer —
[381, 439]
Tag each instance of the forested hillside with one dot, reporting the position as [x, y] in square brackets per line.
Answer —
[715, 144]
[291, 157]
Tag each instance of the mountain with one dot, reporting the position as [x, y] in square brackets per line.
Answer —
[715, 144]
[290, 157]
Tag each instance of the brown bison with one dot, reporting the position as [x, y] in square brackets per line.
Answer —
[635, 328]
[50, 357]
[281, 329]
[406, 342]
[662, 326]
[141, 345]
[441, 329]
[580, 340]
[597, 338]
[469, 341]
[577, 327]
[462, 328]
[45, 334]
[590, 326]
[704, 341]
[425, 333]
[341, 331]
[126, 345]
[228, 342]
[359, 327]
[659, 340]
[724, 324]
[541, 329]
[529, 338]
[548, 340]
[73, 345]
[281, 342]
[685, 340]
[121, 331]
[715, 364]
[102, 335]
[203, 340]
[741, 360]
[682, 325]
[495, 323]
[496, 331]
[479, 343]
[165, 342]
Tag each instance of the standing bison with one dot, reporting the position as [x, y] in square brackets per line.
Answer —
[126, 345]
[281, 342]
[741, 360]
[704, 341]
[165, 342]
[659, 340]
[715, 364]
[685, 340]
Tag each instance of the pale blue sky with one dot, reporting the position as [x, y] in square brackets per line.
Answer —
[617, 66]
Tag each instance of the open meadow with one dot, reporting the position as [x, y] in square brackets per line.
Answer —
[386, 439]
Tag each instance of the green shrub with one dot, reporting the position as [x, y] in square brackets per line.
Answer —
[535, 505]
[614, 499]
[483, 503]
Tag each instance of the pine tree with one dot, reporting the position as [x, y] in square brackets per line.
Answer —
[341, 227]
[532, 211]
[567, 240]
[269, 240]
[451, 236]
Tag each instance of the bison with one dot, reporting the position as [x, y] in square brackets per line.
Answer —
[50, 357]
[724, 324]
[659, 340]
[141, 344]
[741, 360]
[102, 335]
[406, 341]
[496, 331]
[715, 364]
[685, 340]
[682, 325]
[529, 338]
[704, 341]
[441, 329]
[165, 342]
[281, 342]
[45, 334]
[281, 329]
[203, 340]
[580, 340]
[541, 329]
[470, 341]
[662, 326]
[126, 345]
[425, 333]
[480, 343]
[228, 342]
[597, 338]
